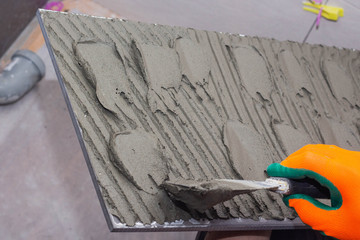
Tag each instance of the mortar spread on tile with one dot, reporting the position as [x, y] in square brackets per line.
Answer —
[129, 149]
[159, 103]
[248, 151]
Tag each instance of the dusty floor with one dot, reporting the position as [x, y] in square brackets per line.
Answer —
[42, 166]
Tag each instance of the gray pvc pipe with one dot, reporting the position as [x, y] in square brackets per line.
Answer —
[24, 71]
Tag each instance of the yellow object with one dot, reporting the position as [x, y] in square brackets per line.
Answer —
[328, 12]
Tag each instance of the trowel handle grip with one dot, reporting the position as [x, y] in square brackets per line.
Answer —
[306, 186]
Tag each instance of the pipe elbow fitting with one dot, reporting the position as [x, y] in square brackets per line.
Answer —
[21, 75]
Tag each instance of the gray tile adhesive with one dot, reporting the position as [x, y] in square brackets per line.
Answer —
[155, 102]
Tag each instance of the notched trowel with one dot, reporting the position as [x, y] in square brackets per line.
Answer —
[202, 195]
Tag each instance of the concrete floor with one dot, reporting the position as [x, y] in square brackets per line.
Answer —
[46, 190]
[279, 19]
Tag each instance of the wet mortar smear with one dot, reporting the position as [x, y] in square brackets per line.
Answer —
[159, 103]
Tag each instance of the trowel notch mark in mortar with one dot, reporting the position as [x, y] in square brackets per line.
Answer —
[247, 149]
[137, 155]
[104, 70]
[159, 79]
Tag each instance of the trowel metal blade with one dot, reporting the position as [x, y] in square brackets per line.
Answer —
[202, 195]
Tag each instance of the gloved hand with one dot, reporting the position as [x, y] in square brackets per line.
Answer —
[338, 170]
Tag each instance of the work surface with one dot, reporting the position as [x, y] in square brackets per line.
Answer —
[279, 19]
[43, 113]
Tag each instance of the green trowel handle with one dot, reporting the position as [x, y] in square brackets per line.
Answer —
[307, 186]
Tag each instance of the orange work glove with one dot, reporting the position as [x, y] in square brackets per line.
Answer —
[338, 170]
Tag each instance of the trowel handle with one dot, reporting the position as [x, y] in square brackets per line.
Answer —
[305, 186]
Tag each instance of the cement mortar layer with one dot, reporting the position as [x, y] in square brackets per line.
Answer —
[159, 103]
